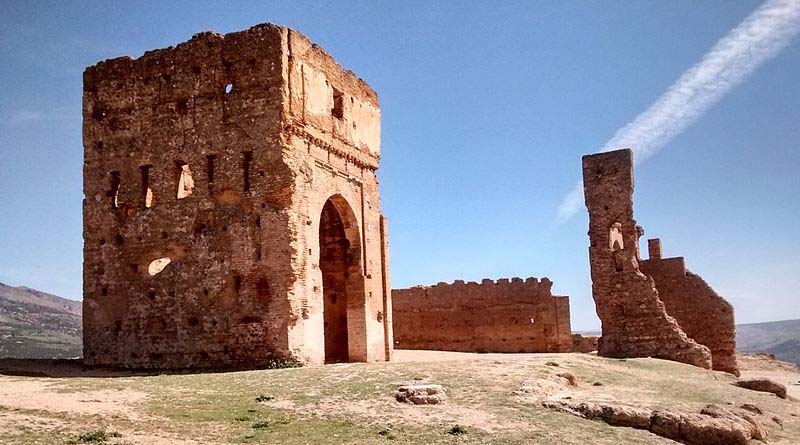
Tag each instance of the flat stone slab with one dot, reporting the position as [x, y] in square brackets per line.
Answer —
[421, 394]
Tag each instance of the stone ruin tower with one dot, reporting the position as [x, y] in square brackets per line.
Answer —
[232, 213]
[647, 308]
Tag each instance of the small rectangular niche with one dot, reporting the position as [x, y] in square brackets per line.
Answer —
[338, 104]
[246, 161]
[113, 192]
[210, 160]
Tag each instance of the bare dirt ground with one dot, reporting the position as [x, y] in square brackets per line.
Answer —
[496, 398]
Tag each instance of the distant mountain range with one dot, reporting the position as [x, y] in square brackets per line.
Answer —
[35, 324]
[781, 338]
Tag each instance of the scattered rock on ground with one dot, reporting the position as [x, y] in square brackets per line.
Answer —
[597, 384]
[744, 418]
[715, 426]
[569, 377]
[752, 408]
[551, 364]
[763, 385]
[421, 394]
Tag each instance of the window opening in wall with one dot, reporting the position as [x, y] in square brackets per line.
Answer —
[210, 170]
[147, 192]
[338, 104]
[113, 193]
[156, 266]
[237, 284]
[228, 88]
[185, 181]
[248, 159]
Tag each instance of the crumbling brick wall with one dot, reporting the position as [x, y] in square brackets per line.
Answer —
[634, 320]
[503, 316]
[207, 167]
[705, 316]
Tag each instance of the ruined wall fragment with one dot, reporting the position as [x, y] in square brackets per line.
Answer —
[705, 316]
[502, 316]
[207, 168]
[634, 320]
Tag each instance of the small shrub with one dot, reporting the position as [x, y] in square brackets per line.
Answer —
[279, 363]
[98, 436]
[457, 430]
[241, 418]
[261, 424]
[264, 398]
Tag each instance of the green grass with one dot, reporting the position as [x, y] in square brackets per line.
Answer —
[354, 403]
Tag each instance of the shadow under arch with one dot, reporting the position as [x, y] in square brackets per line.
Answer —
[343, 286]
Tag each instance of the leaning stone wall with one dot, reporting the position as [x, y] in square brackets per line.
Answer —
[634, 320]
[502, 316]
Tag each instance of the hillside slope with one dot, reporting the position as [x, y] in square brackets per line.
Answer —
[781, 338]
[36, 324]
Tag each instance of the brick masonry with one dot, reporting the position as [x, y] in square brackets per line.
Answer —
[702, 314]
[634, 320]
[232, 210]
[653, 307]
[504, 316]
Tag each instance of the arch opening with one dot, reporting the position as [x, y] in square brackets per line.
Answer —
[342, 289]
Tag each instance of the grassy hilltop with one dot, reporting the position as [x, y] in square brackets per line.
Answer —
[492, 398]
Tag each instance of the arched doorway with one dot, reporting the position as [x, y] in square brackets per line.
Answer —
[342, 289]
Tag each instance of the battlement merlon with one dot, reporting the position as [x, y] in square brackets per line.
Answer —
[272, 80]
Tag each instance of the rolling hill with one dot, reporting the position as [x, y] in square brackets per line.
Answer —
[781, 338]
[36, 324]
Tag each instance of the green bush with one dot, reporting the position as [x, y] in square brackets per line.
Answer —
[457, 430]
[98, 436]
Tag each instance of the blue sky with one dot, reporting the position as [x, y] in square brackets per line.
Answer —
[487, 108]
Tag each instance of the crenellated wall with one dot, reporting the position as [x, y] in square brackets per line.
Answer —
[492, 316]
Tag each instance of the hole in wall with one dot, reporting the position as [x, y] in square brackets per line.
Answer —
[196, 70]
[246, 161]
[228, 88]
[151, 295]
[237, 284]
[156, 266]
[113, 191]
[104, 291]
[338, 104]
[147, 192]
[102, 241]
[185, 180]
[210, 159]
[119, 239]
[262, 290]
[193, 321]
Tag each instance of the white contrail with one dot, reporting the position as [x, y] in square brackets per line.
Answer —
[758, 38]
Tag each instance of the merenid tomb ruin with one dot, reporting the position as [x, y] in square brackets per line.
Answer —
[232, 213]
[232, 217]
[650, 308]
